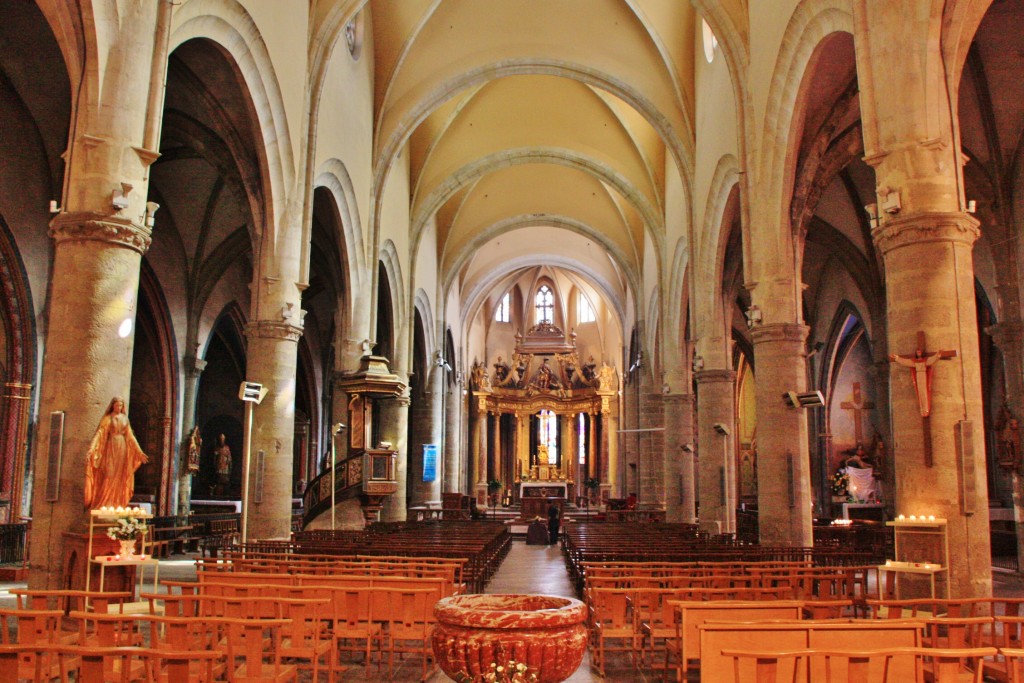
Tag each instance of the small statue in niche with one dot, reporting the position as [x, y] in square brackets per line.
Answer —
[1008, 430]
[195, 447]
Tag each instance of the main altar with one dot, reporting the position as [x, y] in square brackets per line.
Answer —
[543, 421]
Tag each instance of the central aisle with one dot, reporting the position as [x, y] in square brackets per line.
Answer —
[532, 569]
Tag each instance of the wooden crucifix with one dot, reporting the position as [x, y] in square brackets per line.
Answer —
[858, 405]
[920, 364]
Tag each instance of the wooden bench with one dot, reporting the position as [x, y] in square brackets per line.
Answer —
[221, 533]
[716, 636]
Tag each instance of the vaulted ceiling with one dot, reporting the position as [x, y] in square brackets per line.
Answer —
[534, 114]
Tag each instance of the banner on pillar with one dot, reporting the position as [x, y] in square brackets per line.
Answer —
[429, 462]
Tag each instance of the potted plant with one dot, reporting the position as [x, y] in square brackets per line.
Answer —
[592, 484]
[125, 532]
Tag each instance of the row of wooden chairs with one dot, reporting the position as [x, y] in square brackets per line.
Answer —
[310, 626]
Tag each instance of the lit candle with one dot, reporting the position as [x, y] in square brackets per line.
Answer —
[931, 518]
[888, 563]
[913, 518]
[901, 518]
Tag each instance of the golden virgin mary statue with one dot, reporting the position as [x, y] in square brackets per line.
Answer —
[113, 457]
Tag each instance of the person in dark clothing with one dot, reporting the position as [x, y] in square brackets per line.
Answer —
[554, 516]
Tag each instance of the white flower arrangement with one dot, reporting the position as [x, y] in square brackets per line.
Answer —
[127, 529]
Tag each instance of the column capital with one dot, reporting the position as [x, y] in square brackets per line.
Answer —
[194, 366]
[273, 329]
[714, 376]
[779, 332]
[926, 226]
[114, 230]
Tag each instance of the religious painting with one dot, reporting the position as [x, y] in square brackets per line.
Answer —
[854, 461]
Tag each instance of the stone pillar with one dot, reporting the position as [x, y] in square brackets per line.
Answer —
[716, 420]
[453, 438]
[593, 449]
[935, 248]
[651, 460]
[394, 421]
[495, 469]
[93, 288]
[680, 503]
[193, 370]
[272, 359]
[431, 490]
[479, 446]
[611, 467]
[518, 452]
[783, 459]
[94, 278]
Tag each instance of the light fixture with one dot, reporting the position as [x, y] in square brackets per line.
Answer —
[687, 448]
[440, 361]
[698, 363]
[53, 206]
[151, 208]
[872, 212]
[803, 399]
[753, 316]
[721, 429]
[972, 206]
[125, 328]
[638, 362]
[891, 203]
[119, 198]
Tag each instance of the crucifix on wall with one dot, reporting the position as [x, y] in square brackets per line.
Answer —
[920, 364]
[857, 405]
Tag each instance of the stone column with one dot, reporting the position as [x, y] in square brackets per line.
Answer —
[479, 446]
[593, 449]
[716, 420]
[651, 459]
[272, 361]
[453, 438]
[611, 465]
[394, 421]
[431, 490]
[679, 486]
[194, 367]
[93, 289]
[783, 458]
[935, 248]
[495, 470]
[94, 278]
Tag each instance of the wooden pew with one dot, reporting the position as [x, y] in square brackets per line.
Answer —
[804, 635]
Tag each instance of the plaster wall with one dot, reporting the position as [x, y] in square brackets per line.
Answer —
[282, 29]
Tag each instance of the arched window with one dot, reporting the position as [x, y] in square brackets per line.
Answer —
[544, 305]
[547, 434]
[584, 311]
[501, 314]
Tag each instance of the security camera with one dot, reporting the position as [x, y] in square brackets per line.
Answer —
[721, 429]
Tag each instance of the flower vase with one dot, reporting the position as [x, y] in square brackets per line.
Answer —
[127, 551]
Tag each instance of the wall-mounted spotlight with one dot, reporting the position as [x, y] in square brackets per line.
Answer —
[638, 362]
[721, 429]
[687, 448]
[119, 198]
[872, 212]
[439, 361]
[53, 206]
[151, 209]
[698, 363]
[803, 399]
[753, 316]
[891, 203]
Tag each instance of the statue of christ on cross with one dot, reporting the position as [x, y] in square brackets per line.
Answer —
[921, 363]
